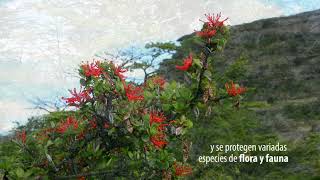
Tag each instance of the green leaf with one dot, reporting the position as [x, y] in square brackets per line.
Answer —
[28, 173]
[188, 124]
[197, 62]
[58, 141]
[49, 143]
[166, 107]
[208, 75]
[185, 94]
[145, 138]
[130, 154]
[83, 82]
[119, 86]
[19, 172]
[109, 161]
[153, 129]
[179, 106]
[148, 95]
[97, 148]
[111, 131]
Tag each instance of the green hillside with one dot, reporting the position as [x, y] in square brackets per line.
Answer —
[283, 66]
[282, 57]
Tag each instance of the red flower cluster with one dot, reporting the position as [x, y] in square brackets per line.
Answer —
[214, 21]
[82, 178]
[93, 123]
[106, 125]
[234, 89]
[78, 98]
[118, 71]
[187, 63]
[81, 135]
[160, 81]
[22, 136]
[161, 127]
[158, 140]
[207, 33]
[64, 126]
[92, 69]
[133, 93]
[211, 26]
[44, 134]
[181, 170]
[156, 118]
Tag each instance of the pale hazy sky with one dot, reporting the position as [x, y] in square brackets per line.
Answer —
[41, 41]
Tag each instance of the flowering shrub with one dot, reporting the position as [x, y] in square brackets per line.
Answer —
[123, 129]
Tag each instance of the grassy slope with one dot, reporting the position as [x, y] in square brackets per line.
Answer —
[284, 69]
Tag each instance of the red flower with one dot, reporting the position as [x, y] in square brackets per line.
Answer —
[156, 118]
[133, 93]
[234, 89]
[64, 126]
[161, 127]
[158, 140]
[181, 170]
[81, 135]
[214, 20]
[22, 136]
[92, 69]
[82, 178]
[118, 71]
[206, 33]
[187, 63]
[160, 81]
[93, 124]
[172, 121]
[211, 26]
[106, 125]
[78, 98]
[43, 134]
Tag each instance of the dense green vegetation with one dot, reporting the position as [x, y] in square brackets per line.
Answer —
[281, 67]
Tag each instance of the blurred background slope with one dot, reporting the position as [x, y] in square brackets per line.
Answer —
[283, 66]
[282, 58]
